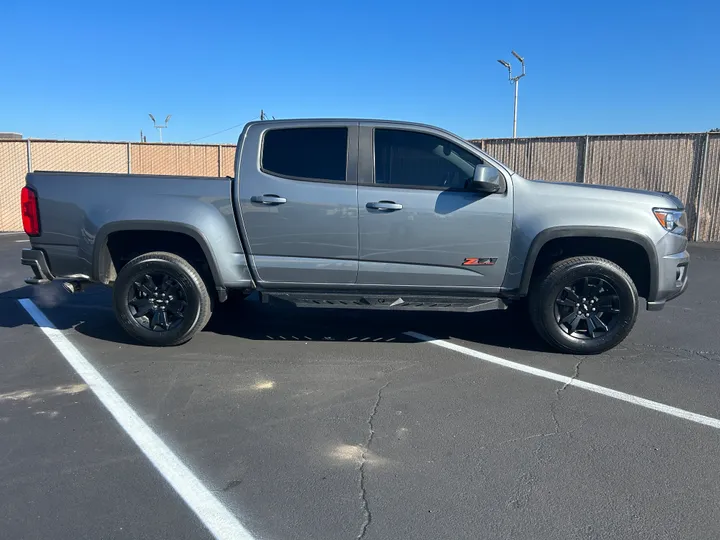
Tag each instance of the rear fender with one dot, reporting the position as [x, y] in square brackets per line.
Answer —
[101, 253]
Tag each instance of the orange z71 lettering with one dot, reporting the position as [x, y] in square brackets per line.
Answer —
[479, 261]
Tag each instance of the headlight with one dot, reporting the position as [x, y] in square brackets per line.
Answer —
[674, 221]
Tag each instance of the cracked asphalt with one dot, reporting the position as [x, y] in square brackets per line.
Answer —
[331, 424]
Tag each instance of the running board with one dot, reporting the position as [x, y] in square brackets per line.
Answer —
[470, 304]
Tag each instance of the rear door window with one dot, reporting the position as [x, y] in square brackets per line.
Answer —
[316, 153]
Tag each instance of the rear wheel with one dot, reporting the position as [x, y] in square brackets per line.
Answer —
[160, 299]
[584, 305]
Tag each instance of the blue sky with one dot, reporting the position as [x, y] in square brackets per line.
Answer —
[94, 70]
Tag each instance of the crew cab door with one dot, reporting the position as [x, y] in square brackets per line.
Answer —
[298, 202]
[420, 223]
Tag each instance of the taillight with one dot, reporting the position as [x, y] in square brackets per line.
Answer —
[30, 216]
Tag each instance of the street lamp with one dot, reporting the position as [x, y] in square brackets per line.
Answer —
[160, 128]
[515, 80]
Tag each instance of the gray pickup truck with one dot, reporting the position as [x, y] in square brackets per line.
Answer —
[359, 214]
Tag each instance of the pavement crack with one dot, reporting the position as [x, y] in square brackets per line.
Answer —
[367, 515]
[559, 391]
[710, 355]
[704, 356]
[232, 484]
[526, 482]
[519, 439]
[522, 491]
[554, 417]
[575, 375]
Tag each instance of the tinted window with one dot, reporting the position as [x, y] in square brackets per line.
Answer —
[410, 158]
[312, 153]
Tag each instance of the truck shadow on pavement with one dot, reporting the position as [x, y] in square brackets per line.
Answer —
[90, 313]
[252, 320]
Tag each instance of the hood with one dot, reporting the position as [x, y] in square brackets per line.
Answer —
[607, 193]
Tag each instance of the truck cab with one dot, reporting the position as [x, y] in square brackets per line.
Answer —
[367, 205]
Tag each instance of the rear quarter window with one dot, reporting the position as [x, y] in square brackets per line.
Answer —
[306, 153]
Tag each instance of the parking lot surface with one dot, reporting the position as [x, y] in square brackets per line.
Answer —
[330, 424]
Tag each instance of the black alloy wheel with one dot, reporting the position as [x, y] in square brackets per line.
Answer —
[587, 308]
[157, 301]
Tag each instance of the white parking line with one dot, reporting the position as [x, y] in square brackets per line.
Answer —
[218, 519]
[569, 381]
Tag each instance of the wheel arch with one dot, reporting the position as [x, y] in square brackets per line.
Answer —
[610, 233]
[103, 267]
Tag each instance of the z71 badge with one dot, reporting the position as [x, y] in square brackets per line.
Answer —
[479, 261]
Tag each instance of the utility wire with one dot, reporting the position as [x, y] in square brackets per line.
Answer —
[263, 116]
[217, 132]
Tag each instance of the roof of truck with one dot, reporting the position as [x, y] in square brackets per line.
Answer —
[376, 121]
[341, 120]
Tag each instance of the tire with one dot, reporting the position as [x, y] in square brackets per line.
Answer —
[583, 305]
[179, 292]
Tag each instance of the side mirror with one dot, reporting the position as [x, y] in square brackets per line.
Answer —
[487, 179]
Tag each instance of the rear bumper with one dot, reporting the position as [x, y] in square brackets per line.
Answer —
[672, 279]
[35, 259]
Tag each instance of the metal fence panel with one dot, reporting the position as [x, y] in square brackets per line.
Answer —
[710, 195]
[228, 160]
[99, 157]
[659, 163]
[650, 162]
[13, 168]
[557, 159]
[175, 159]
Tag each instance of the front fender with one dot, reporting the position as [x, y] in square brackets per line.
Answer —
[552, 233]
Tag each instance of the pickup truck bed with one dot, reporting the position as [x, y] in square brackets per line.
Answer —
[80, 211]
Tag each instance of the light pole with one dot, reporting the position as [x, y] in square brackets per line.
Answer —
[514, 80]
[160, 128]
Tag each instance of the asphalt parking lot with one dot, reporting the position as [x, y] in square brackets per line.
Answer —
[332, 424]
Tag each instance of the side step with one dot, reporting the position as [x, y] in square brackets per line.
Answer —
[387, 301]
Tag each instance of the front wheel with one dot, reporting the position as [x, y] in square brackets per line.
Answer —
[584, 305]
[160, 299]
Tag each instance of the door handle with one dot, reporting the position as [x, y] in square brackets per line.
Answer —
[268, 199]
[384, 206]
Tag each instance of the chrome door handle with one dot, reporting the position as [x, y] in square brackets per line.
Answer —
[386, 206]
[268, 199]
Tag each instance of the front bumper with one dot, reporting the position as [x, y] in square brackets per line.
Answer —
[35, 259]
[672, 279]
